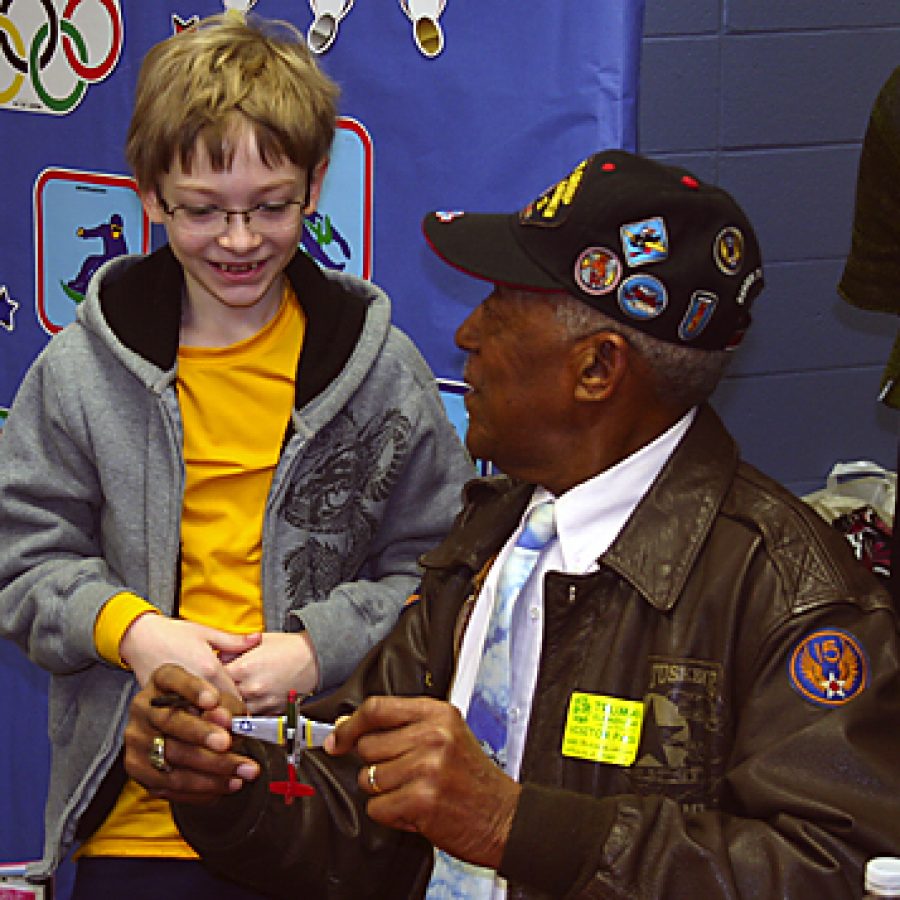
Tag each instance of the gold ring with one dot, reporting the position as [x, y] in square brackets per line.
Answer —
[373, 784]
[158, 754]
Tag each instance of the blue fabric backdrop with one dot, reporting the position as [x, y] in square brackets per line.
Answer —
[521, 92]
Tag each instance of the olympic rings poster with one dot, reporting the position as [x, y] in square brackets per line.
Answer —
[445, 104]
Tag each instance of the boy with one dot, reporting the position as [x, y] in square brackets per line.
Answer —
[230, 461]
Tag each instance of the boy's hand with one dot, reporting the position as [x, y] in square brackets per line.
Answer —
[152, 640]
[264, 674]
[427, 773]
[197, 741]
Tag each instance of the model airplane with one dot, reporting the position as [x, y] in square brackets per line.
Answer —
[292, 731]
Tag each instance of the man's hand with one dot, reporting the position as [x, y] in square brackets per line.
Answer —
[426, 772]
[264, 674]
[197, 740]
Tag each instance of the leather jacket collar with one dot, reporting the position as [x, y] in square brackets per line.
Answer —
[678, 512]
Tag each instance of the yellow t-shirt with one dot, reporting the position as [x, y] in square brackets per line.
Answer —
[235, 405]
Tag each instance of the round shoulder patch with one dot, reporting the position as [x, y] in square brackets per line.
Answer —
[829, 667]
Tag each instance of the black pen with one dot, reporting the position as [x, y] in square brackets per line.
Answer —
[173, 701]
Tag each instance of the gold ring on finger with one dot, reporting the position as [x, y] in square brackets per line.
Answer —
[158, 754]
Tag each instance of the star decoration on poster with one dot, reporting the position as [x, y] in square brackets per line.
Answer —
[8, 308]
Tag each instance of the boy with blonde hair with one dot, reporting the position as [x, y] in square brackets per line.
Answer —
[230, 461]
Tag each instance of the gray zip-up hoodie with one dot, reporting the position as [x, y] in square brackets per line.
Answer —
[91, 493]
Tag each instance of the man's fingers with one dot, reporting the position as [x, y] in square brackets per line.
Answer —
[187, 728]
[193, 774]
[404, 806]
[188, 741]
[381, 778]
[222, 715]
[192, 762]
[434, 733]
[173, 679]
[182, 785]
[178, 743]
[381, 714]
[225, 684]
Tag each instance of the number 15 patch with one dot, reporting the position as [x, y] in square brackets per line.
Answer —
[829, 667]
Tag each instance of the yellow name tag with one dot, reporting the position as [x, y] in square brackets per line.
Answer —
[603, 729]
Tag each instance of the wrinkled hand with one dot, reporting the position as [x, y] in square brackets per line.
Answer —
[432, 776]
[197, 740]
[264, 674]
[152, 640]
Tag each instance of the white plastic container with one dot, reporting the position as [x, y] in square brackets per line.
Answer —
[883, 877]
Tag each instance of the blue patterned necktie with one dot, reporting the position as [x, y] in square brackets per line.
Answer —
[453, 879]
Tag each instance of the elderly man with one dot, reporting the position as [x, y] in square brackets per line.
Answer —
[636, 666]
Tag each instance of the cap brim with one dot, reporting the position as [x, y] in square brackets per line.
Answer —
[484, 246]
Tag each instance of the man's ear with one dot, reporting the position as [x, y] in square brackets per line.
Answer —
[602, 361]
[315, 187]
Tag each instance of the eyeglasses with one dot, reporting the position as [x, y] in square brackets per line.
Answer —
[213, 221]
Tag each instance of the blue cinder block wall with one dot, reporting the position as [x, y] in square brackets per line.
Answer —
[770, 99]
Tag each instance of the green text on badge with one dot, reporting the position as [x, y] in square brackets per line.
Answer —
[603, 729]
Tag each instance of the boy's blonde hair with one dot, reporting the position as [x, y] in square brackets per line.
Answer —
[199, 87]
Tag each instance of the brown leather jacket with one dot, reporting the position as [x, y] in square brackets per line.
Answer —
[759, 773]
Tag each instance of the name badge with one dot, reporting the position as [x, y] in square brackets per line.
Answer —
[603, 729]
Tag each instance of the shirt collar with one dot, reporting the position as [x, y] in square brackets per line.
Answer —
[590, 515]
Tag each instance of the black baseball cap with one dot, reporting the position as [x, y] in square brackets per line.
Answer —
[648, 244]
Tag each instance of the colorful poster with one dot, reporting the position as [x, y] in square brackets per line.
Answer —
[444, 106]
